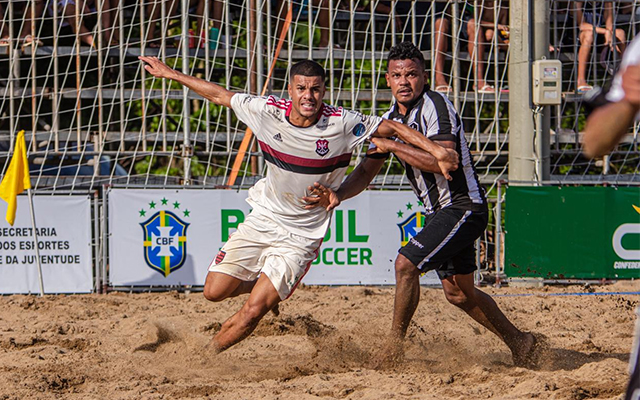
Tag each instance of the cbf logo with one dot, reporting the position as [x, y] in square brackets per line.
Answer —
[412, 225]
[322, 147]
[165, 237]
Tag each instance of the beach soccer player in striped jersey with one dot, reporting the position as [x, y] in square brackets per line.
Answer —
[303, 141]
[456, 209]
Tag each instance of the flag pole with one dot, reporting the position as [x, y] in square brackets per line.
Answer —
[16, 179]
[35, 239]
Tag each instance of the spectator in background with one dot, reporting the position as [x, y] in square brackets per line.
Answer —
[478, 35]
[78, 23]
[28, 37]
[4, 27]
[322, 19]
[404, 20]
[196, 7]
[594, 18]
[215, 10]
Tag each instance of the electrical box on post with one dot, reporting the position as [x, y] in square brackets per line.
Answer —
[547, 82]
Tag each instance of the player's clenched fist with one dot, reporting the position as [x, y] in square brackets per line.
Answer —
[448, 161]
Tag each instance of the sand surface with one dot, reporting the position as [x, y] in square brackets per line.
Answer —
[150, 346]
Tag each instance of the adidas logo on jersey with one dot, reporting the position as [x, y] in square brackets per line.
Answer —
[277, 137]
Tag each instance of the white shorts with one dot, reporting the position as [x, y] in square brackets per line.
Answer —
[262, 246]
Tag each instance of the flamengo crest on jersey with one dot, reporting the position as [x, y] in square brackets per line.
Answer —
[322, 147]
[297, 157]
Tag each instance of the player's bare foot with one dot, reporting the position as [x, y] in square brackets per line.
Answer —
[526, 355]
[211, 348]
[390, 356]
[276, 310]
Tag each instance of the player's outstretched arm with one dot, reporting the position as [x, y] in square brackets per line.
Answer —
[447, 158]
[356, 182]
[608, 124]
[209, 90]
[411, 155]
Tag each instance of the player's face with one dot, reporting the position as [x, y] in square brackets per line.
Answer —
[406, 79]
[306, 94]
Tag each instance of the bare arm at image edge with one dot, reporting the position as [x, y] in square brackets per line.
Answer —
[210, 91]
[608, 124]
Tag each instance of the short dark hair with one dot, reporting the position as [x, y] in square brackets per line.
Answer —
[307, 68]
[406, 51]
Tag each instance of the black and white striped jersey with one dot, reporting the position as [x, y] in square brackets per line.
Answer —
[434, 116]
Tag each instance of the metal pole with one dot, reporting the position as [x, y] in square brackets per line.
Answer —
[310, 26]
[498, 234]
[496, 71]
[259, 64]
[331, 67]
[392, 22]
[34, 142]
[56, 98]
[374, 85]
[13, 56]
[78, 80]
[163, 53]
[260, 58]
[521, 159]
[433, 50]
[103, 240]
[414, 26]
[207, 70]
[455, 64]
[121, 72]
[289, 43]
[474, 71]
[227, 72]
[540, 49]
[186, 106]
[97, 284]
[35, 239]
[101, 136]
[352, 38]
[143, 78]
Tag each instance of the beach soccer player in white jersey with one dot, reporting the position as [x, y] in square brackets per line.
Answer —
[303, 141]
[456, 209]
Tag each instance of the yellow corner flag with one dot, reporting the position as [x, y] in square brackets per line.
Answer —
[16, 179]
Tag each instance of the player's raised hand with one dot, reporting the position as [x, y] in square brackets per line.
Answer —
[157, 68]
[447, 161]
[321, 196]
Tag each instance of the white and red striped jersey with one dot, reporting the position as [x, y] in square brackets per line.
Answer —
[297, 157]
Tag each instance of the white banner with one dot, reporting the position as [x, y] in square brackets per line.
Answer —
[64, 236]
[365, 235]
[169, 237]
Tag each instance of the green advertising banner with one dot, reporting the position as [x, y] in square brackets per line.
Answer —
[578, 232]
